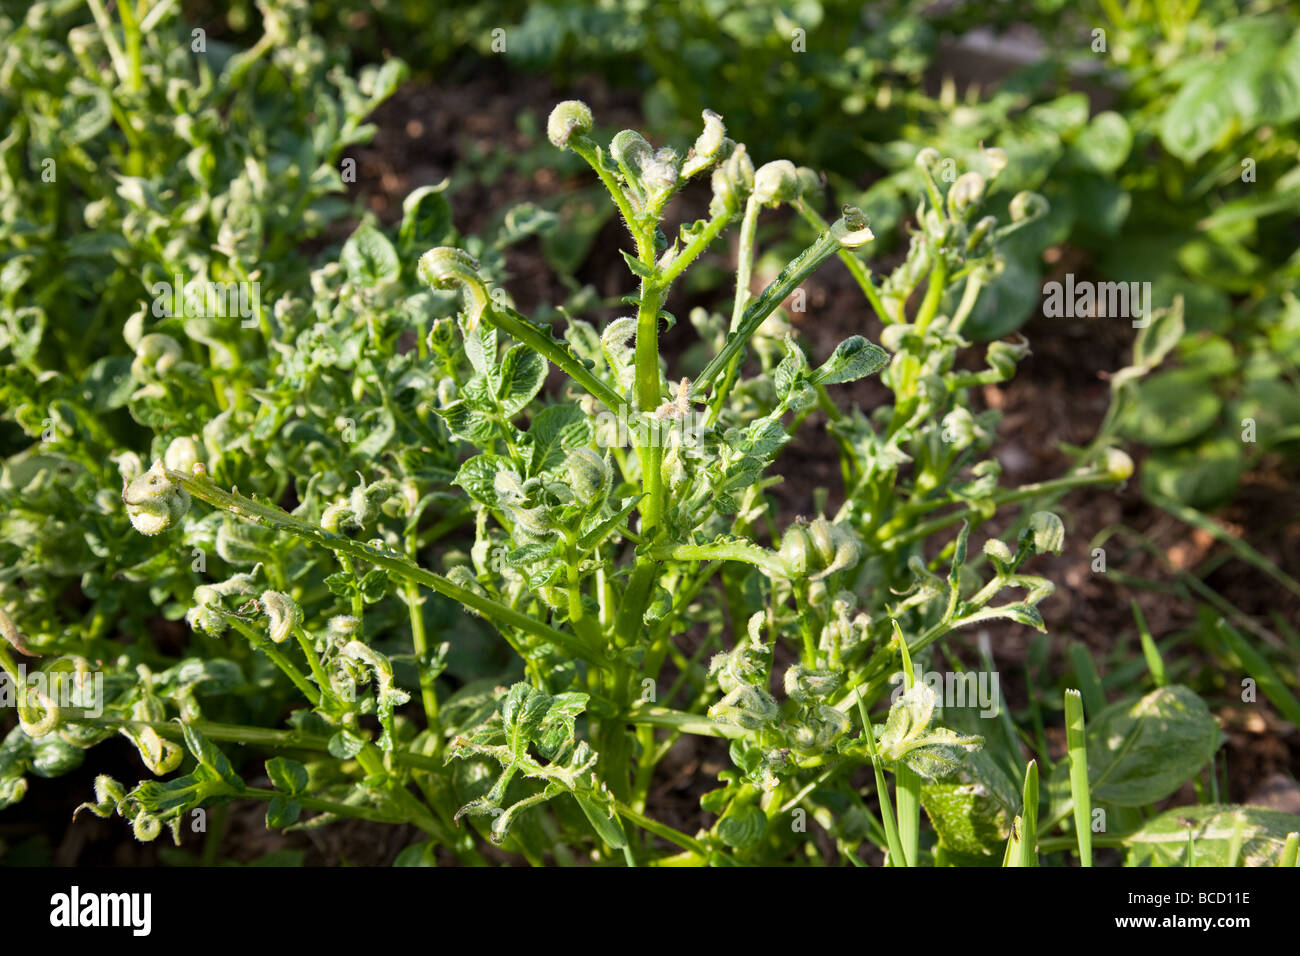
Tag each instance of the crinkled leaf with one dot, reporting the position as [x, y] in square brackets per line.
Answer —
[369, 257]
[854, 358]
[287, 775]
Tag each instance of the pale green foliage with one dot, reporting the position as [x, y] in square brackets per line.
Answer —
[396, 400]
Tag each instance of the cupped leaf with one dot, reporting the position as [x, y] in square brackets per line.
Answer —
[369, 257]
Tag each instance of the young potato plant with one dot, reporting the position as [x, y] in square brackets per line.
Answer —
[623, 544]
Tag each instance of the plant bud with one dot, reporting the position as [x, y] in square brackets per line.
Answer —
[1119, 466]
[153, 502]
[822, 539]
[588, 474]
[776, 182]
[364, 501]
[807, 683]
[852, 229]
[733, 181]
[810, 182]
[997, 549]
[1003, 356]
[155, 355]
[182, 454]
[795, 550]
[1027, 206]
[707, 146]
[568, 118]
[966, 192]
[630, 150]
[283, 614]
[894, 337]
[997, 160]
[928, 157]
[334, 516]
[845, 550]
[146, 827]
[979, 232]
[660, 174]
[38, 712]
[1048, 532]
[443, 265]
[958, 428]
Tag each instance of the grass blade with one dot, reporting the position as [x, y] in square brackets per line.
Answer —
[1264, 673]
[1022, 846]
[1291, 851]
[1082, 797]
[896, 855]
[1234, 842]
[1155, 664]
[1243, 550]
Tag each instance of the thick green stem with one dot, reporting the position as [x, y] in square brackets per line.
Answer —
[649, 393]
[420, 642]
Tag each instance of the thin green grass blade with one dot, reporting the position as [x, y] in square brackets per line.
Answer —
[1234, 843]
[1291, 851]
[1268, 679]
[1076, 738]
[1011, 856]
[1155, 664]
[896, 855]
[1022, 845]
[1243, 550]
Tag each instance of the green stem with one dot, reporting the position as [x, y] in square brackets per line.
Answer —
[420, 642]
[753, 554]
[1009, 496]
[290, 669]
[399, 566]
[649, 392]
[933, 294]
[512, 323]
[859, 272]
[587, 150]
[681, 721]
[338, 809]
[692, 250]
[668, 833]
[776, 292]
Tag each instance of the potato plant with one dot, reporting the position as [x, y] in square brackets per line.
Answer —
[467, 601]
